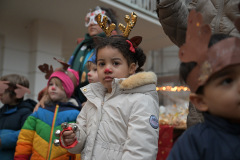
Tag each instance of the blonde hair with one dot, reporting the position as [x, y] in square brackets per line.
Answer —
[89, 65]
[59, 84]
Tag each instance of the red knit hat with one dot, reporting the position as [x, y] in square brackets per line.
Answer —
[67, 83]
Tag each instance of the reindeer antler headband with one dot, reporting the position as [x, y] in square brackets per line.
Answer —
[131, 21]
[19, 89]
[48, 70]
[209, 60]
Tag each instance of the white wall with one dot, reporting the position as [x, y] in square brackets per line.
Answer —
[163, 62]
[25, 45]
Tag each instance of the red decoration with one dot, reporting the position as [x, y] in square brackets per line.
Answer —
[165, 141]
[131, 48]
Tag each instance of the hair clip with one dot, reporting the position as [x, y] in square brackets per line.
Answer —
[131, 48]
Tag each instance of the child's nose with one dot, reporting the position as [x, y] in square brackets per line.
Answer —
[53, 87]
[107, 70]
[89, 74]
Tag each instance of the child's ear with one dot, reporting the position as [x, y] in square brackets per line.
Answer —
[132, 68]
[198, 101]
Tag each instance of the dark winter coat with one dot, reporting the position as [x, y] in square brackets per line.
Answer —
[12, 119]
[214, 139]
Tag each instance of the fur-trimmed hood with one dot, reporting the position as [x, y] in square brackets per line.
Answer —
[139, 79]
[141, 82]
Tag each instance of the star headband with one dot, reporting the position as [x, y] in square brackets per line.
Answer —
[91, 17]
[209, 60]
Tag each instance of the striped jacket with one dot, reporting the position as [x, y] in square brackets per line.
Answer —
[35, 140]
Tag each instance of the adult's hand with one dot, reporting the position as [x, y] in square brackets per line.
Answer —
[40, 103]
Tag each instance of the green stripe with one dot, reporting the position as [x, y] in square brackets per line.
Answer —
[41, 128]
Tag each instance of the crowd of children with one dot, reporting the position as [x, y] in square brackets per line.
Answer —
[120, 118]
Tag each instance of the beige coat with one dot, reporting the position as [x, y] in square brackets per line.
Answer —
[122, 125]
[220, 14]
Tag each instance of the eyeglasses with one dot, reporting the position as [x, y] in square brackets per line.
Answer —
[91, 17]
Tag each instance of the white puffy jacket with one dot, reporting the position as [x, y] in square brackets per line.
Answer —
[122, 125]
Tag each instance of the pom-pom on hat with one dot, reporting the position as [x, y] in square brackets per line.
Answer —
[67, 83]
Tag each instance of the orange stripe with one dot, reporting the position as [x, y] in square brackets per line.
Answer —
[51, 134]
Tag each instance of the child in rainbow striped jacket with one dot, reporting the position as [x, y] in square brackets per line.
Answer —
[36, 137]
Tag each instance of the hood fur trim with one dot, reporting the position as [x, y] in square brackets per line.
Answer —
[139, 79]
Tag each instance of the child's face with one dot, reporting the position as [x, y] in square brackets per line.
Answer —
[222, 94]
[6, 99]
[92, 74]
[111, 64]
[56, 92]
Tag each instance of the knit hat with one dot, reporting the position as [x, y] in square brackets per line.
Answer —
[67, 83]
[74, 76]
[93, 58]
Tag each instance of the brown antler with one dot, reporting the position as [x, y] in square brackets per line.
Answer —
[130, 24]
[3, 86]
[45, 68]
[103, 25]
[21, 90]
[65, 65]
[197, 39]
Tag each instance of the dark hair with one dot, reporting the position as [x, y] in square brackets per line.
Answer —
[186, 68]
[119, 42]
[111, 14]
[13, 80]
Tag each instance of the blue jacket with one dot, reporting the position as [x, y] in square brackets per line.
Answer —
[214, 139]
[12, 119]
